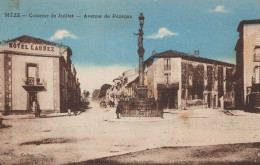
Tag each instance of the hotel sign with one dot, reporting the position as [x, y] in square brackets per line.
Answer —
[31, 47]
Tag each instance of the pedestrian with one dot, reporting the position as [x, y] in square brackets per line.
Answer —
[38, 109]
[113, 103]
[34, 106]
[110, 103]
[118, 109]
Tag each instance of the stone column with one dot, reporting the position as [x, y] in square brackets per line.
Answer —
[141, 69]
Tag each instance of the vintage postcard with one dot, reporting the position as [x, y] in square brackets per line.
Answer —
[130, 82]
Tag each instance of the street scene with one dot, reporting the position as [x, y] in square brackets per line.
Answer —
[122, 85]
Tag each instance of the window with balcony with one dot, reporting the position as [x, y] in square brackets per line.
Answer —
[167, 64]
[257, 54]
[32, 74]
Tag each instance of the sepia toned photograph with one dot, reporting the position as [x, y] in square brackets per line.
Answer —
[130, 82]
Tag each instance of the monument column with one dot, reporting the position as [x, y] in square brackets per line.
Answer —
[141, 105]
[141, 89]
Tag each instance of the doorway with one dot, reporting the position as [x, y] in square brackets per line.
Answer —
[32, 96]
[209, 100]
[215, 102]
[168, 99]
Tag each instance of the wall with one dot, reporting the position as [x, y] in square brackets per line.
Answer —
[2, 85]
[19, 94]
[176, 76]
[155, 75]
[251, 39]
[56, 83]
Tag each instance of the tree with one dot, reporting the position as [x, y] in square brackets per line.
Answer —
[95, 94]
[85, 96]
[103, 90]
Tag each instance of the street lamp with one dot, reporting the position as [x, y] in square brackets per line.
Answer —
[141, 20]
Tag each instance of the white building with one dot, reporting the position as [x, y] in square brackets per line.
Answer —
[32, 69]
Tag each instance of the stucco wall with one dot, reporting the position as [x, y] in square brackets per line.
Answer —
[2, 100]
[155, 75]
[251, 39]
[19, 94]
[56, 83]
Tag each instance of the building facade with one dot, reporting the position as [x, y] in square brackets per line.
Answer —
[248, 64]
[179, 80]
[123, 86]
[32, 69]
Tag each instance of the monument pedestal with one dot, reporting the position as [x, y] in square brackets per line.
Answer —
[141, 106]
[141, 92]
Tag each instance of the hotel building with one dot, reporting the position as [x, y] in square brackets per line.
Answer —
[32, 69]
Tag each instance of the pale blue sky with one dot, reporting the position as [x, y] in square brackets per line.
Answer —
[207, 25]
[111, 41]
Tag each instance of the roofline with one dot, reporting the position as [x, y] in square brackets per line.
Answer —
[244, 22]
[188, 57]
[29, 54]
[48, 42]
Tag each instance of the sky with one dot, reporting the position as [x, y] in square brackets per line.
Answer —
[105, 47]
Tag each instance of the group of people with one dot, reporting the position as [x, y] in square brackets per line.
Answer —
[111, 103]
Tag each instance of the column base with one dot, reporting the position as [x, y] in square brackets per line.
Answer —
[141, 92]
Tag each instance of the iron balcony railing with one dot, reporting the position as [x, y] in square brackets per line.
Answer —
[257, 58]
[167, 67]
[33, 81]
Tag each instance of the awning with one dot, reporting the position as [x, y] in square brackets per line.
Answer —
[168, 86]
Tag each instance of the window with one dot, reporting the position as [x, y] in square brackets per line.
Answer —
[248, 91]
[190, 81]
[32, 73]
[257, 54]
[167, 64]
[167, 77]
[256, 77]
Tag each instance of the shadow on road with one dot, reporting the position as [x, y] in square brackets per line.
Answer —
[240, 153]
[5, 126]
[45, 116]
[94, 162]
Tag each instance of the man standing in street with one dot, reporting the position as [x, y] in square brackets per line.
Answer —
[118, 109]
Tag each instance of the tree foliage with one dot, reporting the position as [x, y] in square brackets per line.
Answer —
[95, 94]
[103, 90]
